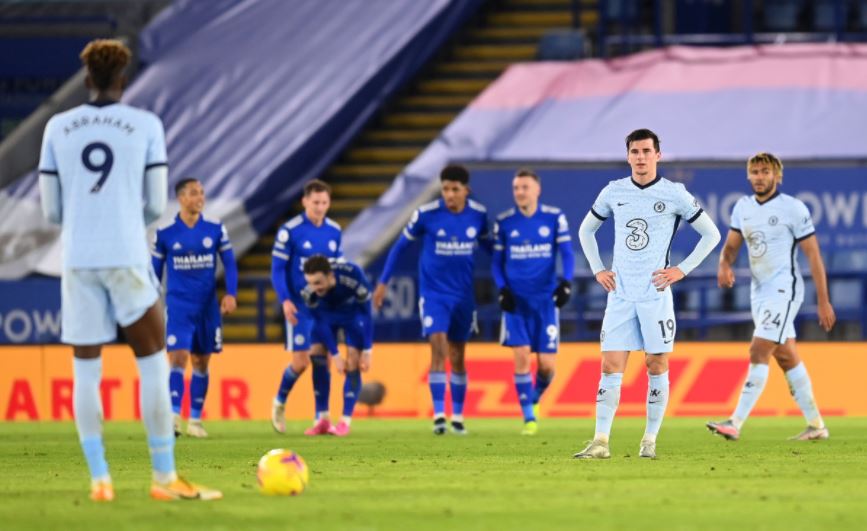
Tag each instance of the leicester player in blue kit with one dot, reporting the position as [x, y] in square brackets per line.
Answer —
[98, 161]
[189, 248]
[303, 236]
[450, 230]
[527, 240]
[338, 296]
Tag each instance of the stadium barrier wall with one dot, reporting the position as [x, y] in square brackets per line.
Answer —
[706, 378]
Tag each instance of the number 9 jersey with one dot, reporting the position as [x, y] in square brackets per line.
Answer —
[100, 152]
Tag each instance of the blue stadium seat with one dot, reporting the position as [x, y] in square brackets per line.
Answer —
[824, 13]
[845, 294]
[742, 297]
[851, 260]
[782, 15]
[562, 45]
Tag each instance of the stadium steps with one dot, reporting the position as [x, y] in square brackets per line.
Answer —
[504, 32]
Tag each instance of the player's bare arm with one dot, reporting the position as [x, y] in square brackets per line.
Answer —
[725, 277]
[290, 311]
[810, 247]
[379, 295]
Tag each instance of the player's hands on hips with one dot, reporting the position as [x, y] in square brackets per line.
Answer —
[725, 276]
[379, 295]
[563, 293]
[506, 299]
[228, 304]
[606, 278]
[662, 278]
[827, 318]
[364, 362]
[289, 311]
[339, 364]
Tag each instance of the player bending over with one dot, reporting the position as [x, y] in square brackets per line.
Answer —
[527, 240]
[301, 237]
[774, 225]
[339, 298]
[189, 248]
[639, 314]
[98, 160]
[450, 230]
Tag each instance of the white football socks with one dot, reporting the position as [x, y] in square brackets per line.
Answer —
[757, 377]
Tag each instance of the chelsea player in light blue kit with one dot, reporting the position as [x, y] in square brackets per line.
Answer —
[450, 230]
[303, 236]
[98, 161]
[647, 210]
[188, 248]
[774, 225]
[527, 240]
[338, 295]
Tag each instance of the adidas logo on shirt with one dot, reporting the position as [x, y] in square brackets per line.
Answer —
[441, 232]
[307, 245]
[176, 246]
[514, 234]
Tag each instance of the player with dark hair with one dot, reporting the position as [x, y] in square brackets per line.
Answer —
[97, 162]
[639, 315]
[338, 295]
[303, 236]
[527, 240]
[450, 229]
[774, 225]
[189, 248]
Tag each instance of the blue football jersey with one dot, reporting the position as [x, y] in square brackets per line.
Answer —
[297, 240]
[350, 295]
[529, 246]
[190, 257]
[449, 242]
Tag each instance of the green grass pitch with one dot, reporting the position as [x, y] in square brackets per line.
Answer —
[394, 474]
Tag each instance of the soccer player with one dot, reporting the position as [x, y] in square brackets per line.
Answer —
[774, 225]
[191, 245]
[450, 230]
[97, 162]
[339, 298]
[639, 315]
[303, 236]
[527, 240]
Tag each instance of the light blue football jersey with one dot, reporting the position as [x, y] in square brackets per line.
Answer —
[646, 218]
[772, 230]
[100, 152]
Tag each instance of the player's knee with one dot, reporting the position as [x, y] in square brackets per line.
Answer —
[760, 354]
[787, 359]
[656, 364]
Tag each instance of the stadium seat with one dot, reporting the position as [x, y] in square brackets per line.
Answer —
[562, 45]
[852, 260]
[782, 15]
[824, 15]
[845, 294]
[742, 297]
